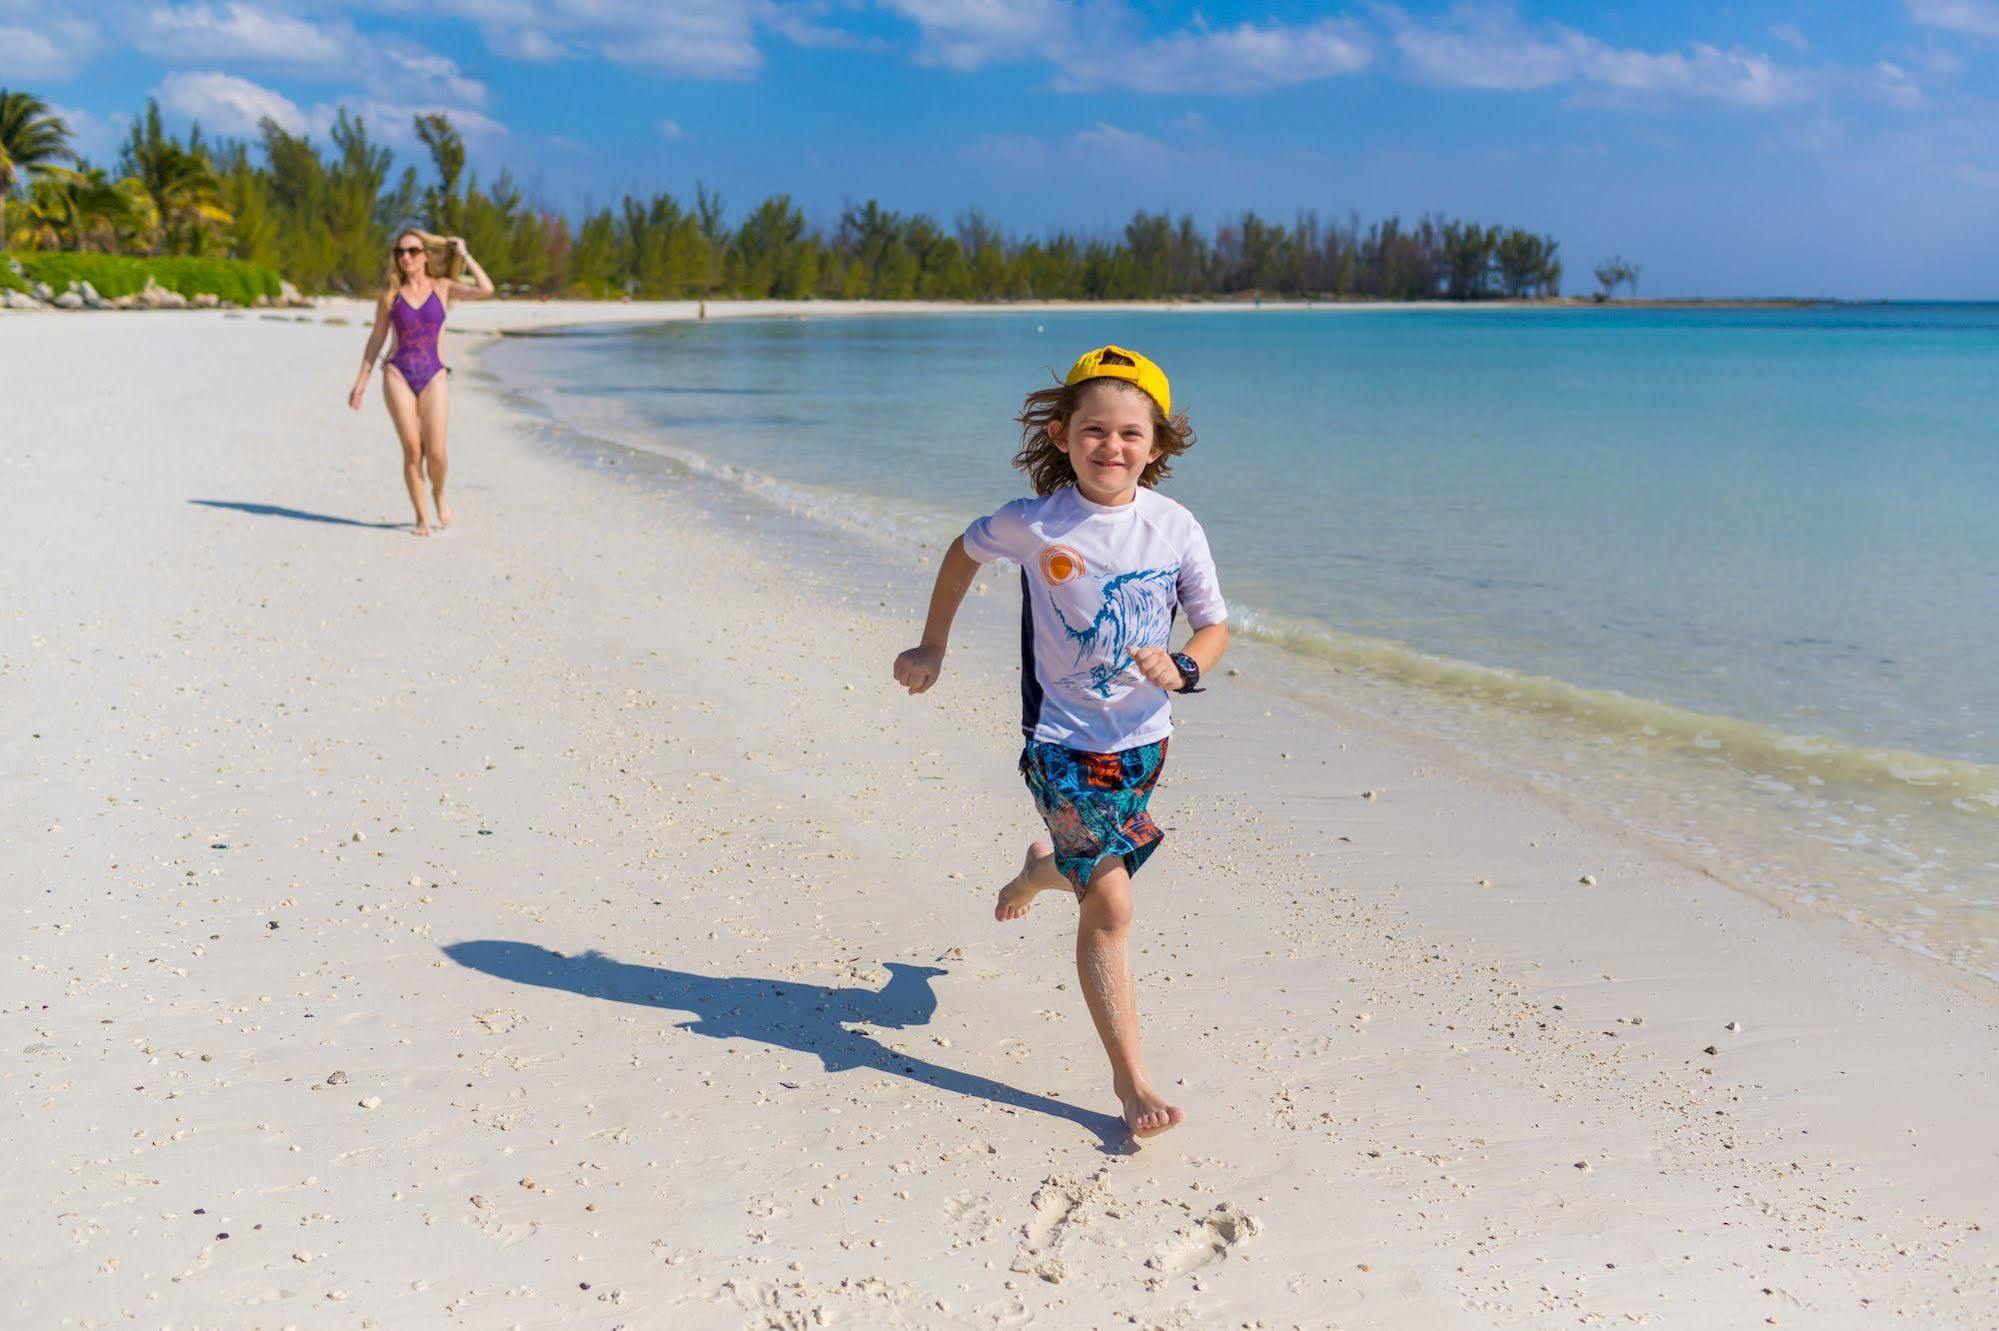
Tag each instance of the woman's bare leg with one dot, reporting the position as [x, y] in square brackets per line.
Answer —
[1103, 964]
[409, 431]
[434, 412]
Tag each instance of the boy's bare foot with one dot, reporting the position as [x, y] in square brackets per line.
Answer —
[443, 512]
[1037, 874]
[1146, 1112]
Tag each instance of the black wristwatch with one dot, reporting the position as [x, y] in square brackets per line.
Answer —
[1190, 673]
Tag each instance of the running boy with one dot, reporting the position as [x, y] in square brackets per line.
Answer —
[1106, 563]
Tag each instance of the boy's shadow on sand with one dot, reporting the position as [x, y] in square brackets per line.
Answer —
[809, 1018]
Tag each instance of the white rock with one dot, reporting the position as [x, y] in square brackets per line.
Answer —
[371, 1102]
[18, 300]
[68, 300]
[91, 298]
[157, 297]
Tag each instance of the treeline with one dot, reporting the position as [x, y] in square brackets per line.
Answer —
[324, 214]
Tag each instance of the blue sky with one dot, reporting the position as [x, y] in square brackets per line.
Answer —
[1755, 148]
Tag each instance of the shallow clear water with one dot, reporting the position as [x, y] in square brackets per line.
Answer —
[1765, 537]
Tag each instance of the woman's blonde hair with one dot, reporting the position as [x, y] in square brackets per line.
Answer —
[439, 259]
[1047, 466]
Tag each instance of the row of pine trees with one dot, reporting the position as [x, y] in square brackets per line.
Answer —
[323, 215]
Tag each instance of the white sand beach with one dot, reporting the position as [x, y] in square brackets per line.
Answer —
[565, 922]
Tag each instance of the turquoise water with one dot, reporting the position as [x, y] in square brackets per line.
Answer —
[1764, 534]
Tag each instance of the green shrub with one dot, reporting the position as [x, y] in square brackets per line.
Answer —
[116, 275]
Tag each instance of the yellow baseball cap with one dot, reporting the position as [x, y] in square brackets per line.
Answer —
[1139, 371]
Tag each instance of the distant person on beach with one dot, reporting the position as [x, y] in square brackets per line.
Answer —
[1106, 565]
[425, 277]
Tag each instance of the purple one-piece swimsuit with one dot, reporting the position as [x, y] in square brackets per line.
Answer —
[417, 327]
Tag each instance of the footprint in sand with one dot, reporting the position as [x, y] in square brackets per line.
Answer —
[1222, 1231]
[499, 1020]
[1055, 1204]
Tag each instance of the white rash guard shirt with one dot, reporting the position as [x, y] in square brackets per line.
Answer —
[1096, 582]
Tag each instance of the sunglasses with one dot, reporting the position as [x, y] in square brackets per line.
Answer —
[409, 249]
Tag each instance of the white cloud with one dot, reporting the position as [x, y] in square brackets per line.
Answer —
[965, 34]
[391, 121]
[1488, 47]
[1980, 17]
[1945, 63]
[1701, 71]
[714, 39]
[45, 48]
[1104, 46]
[1021, 152]
[803, 29]
[1193, 122]
[232, 105]
[394, 78]
[432, 74]
[703, 50]
[240, 32]
[1243, 59]
[1893, 85]
[1122, 145]
[1791, 35]
[1481, 47]
[525, 44]
[670, 129]
[228, 103]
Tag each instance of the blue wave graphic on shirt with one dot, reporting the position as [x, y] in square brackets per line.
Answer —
[1137, 612]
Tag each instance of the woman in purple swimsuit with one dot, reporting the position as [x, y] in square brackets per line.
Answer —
[423, 282]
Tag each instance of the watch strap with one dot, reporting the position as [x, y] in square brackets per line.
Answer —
[1190, 673]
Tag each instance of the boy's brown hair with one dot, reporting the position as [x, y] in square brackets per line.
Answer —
[1047, 466]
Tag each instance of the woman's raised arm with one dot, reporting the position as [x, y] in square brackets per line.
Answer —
[481, 285]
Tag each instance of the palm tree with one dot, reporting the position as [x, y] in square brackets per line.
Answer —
[32, 138]
[74, 209]
[181, 181]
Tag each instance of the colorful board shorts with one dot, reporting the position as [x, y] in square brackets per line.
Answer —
[1094, 805]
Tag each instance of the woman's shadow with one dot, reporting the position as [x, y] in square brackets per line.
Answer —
[810, 1018]
[280, 511]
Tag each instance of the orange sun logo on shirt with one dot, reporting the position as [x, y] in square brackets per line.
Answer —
[1060, 564]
